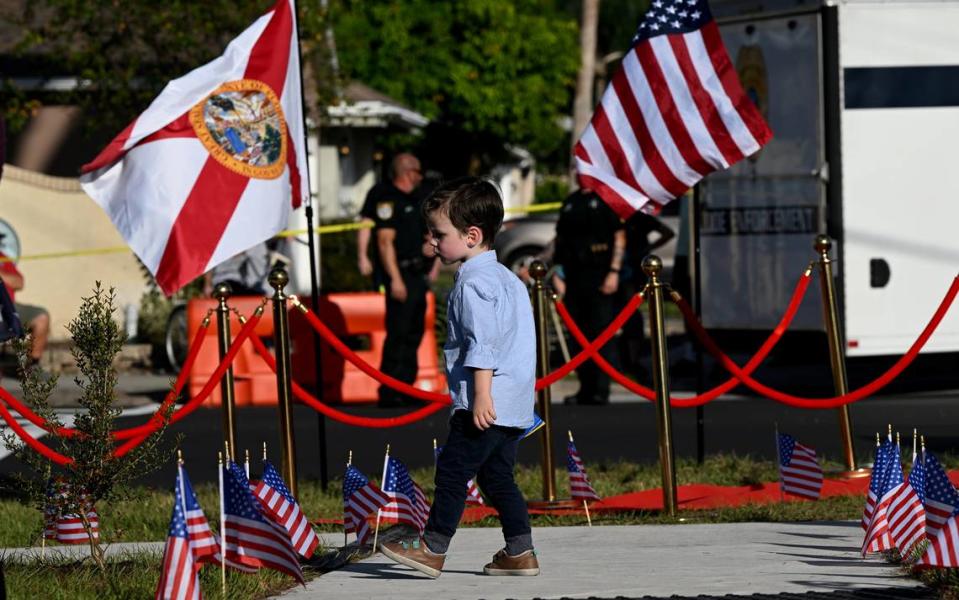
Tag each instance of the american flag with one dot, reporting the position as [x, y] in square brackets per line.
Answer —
[898, 519]
[50, 510]
[361, 498]
[907, 517]
[941, 499]
[799, 471]
[673, 113]
[472, 491]
[875, 482]
[943, 549]
[278, 504]
[70, 528]
[204, 545]
[178, 576]
[579, 486]
[249, 538]
[408, 503]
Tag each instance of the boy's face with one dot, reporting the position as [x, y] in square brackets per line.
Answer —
[450, 244]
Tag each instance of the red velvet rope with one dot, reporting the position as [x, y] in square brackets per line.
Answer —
[31, 441]
[344, 351]
[343, 417]
[710, 395]
[120, 434]
[144, 431]
[835, 401]
[590, 350]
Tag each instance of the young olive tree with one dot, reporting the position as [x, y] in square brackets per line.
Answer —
[96, 474]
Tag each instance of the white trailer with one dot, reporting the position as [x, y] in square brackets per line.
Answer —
[863, 100]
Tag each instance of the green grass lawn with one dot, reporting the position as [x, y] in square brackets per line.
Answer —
[146, 518]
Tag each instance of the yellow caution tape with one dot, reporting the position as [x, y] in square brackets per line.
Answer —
[322, 230]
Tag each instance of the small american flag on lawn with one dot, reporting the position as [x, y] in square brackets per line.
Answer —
[472, 491]
[408, 503]
[361, 498]
[943, 549]
[941, 499]
[50, 510]
[879, 466]
[799, 471]
[249, 538]
[70, 528]
[673, 113]
[278, 504]
[178, 576]
[897, 520]
[579, 485]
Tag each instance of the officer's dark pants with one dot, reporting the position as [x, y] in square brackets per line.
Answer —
[592, 311]
[404, 331]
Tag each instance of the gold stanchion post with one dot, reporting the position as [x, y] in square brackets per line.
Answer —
[222, 293]
[653, 266]
[836, 356]
[284, 386]
[537, 271]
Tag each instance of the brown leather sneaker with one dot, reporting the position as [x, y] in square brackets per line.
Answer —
[415, 554]
[521, 564]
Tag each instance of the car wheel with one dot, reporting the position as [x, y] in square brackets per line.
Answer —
[176, 342]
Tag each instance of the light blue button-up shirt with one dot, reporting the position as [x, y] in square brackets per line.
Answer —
[490, 326]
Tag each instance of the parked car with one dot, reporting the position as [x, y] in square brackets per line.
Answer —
[521, 239]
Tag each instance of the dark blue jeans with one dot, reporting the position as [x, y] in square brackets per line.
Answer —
[490, 457]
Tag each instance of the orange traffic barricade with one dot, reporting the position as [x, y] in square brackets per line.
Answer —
[357, 318]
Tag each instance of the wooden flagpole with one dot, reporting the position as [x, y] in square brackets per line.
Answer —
[779, 462]
[222, 526]
[589, 520]
[349, 461]
[376, 531]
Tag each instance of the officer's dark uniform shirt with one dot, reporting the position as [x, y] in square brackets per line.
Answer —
[391, 208]
[638, 228]
[584, 238]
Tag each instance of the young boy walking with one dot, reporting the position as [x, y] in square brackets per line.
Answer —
[491, 369]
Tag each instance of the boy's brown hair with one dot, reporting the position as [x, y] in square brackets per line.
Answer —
[469, 202]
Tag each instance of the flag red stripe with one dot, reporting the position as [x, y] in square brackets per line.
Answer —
[270, 55]
[730, 82]
[675, 122]
[200, 225]
[112, 152]
[707, 110]
[658, 167]
[619, 205]
[612, 147]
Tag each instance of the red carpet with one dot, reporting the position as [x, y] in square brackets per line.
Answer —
[692, 497]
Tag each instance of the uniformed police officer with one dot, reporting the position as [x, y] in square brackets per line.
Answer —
[590, 243]
[401, 266]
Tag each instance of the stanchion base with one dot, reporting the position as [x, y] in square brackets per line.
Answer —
[854, 474]
[558, 504]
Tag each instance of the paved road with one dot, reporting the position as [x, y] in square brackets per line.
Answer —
[625, 429]
[622, 430]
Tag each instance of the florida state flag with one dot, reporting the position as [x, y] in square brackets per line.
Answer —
[215, 164]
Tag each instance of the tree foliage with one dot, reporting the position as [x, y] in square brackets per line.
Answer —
[124, 51]
[96, 475]
[497, 71]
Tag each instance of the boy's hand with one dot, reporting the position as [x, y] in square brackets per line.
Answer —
[484, 416]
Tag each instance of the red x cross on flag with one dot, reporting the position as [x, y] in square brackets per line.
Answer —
[215, 164]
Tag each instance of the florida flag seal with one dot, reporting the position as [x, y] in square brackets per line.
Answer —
[216, 163]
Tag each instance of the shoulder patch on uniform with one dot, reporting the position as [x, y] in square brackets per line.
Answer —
[384, 210]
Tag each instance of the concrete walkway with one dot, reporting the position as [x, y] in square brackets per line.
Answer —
[635, 561]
